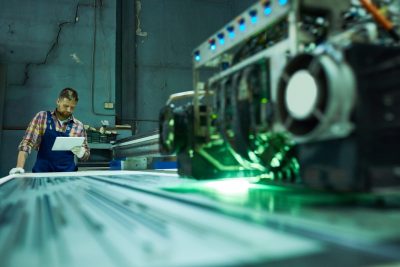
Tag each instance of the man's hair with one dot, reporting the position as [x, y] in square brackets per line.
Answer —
[68, 93]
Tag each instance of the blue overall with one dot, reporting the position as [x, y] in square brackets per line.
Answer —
[53, 161]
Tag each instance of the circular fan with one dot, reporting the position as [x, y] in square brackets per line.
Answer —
[315, 97]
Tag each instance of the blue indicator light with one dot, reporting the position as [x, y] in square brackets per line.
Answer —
[197, 56]
[283, 2]
[231, 31]
[221, 38]
[253, 16]
[267, 10]
[242, 25]
[212, 44]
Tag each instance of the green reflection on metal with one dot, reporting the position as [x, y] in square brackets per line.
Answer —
[268, 197]
[229, 186]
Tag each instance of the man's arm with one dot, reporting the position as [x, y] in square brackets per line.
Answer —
[30, 140]
[22, 155]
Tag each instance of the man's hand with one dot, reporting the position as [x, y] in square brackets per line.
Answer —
[17, 170]
[79, 151]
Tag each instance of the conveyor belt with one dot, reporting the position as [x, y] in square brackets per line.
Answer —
[158, 219]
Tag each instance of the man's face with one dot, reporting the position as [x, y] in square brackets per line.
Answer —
[65, 107]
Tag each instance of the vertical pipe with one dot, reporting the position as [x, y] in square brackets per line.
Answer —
[118, 64]
[126, 62]
[2, 98]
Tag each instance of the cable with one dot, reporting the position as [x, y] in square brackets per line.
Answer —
[93, 78]
[380, 19]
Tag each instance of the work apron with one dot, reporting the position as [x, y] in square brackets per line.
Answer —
[53, 161]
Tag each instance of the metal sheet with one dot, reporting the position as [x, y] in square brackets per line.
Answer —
[158, 219]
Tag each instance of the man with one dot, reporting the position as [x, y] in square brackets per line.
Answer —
[42, 132]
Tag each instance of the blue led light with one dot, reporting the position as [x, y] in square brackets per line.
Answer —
[283, 2]
[213, 46]
[197, 56]
[242, 24]
[221, 38]
[267, 10]
[231, 32]
[253, 16]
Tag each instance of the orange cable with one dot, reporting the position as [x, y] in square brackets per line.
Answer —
[381, 19]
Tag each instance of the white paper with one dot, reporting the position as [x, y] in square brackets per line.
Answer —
[67, 143]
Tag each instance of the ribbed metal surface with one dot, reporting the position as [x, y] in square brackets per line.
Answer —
[159, 219]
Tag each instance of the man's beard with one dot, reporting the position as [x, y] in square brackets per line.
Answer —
[63, 115]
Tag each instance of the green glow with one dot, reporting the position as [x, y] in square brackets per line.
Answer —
[171, 123]
[264, 100]
[275, 162]
[170, 137]
[215, 162]
[230, 186]
[273, 176]
[239, 185]
[253, 157]
[260, 149]
[269, 176]
[246, 164]
[214, 116]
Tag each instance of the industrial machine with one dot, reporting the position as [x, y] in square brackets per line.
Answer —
[300, 93]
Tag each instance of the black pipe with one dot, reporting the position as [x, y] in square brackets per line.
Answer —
[2, 97]
[126, 87]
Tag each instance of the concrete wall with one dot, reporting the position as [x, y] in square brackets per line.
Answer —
[167, 33]
[47, 45]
